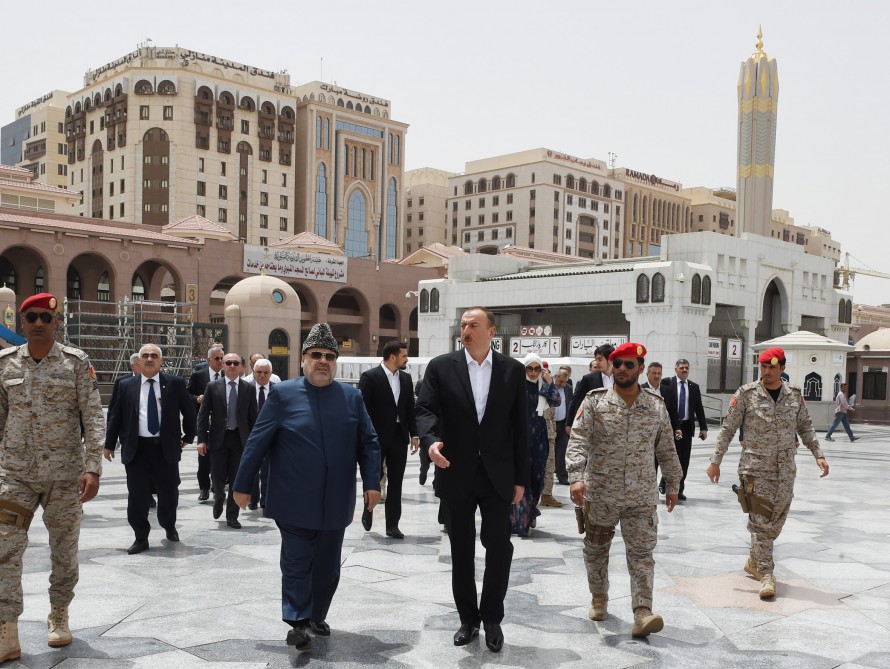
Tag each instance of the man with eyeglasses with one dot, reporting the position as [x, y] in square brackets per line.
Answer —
[227, 415]
[614, 440]
[315, 431]
[263, 381]
[51, 435]
[153, 417]
[212, 371]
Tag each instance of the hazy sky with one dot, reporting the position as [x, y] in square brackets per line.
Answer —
[654, 82]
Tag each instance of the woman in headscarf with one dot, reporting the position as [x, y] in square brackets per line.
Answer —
[542, 395]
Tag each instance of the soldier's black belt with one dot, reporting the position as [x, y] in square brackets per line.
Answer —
[13, 514]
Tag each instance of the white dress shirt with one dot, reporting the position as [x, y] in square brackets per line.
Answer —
[562, 408]
[480, 381]
[265, 392]
[143, 404]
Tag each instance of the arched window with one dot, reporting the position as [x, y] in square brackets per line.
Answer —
[349, 105]
[634, 214]
[496, 182]
[339, 102]
[841, 312]
[424, 301]
[582, 184]
[594, 188]
[39, 280]
[398, 149]
[103, 288]
[511, 181]
[642, 288]
[137, 289]
[468, 188]
[607, 190]
[321, 202]
[389, 148]
[73, 281]
[434, 301]
[356, 226]
[570, 181]
[849, 318]
[483, 185]
[706, 290]
[392, 214]
[327, 134]
[318, 132]
[696, 289]
[658, 287]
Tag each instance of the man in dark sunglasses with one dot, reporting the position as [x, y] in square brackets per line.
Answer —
[314, 430]
[211, 371]
[225, 420]
[619, 432]
[51, 435]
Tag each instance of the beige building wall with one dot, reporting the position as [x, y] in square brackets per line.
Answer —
[714, 210]
[45, 150]
[655, 206]
[425, 203]
[540, 199]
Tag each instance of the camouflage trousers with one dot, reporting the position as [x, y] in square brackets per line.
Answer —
[639, 528]
[550, 468]
[765, 530]
[62, 512]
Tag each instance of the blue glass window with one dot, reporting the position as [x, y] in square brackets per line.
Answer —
[317, 132]
[327, 134]
[391, 218]
[360, 129]
[321, 203]
[356, 228]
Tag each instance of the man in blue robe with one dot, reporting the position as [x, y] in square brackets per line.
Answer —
[314, 431]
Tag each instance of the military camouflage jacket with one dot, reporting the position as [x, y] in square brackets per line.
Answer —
[613, 448]
[44, 410]
[770, 428]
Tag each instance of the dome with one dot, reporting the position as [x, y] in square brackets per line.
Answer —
[879, 340]
[263, 291]
[7, 295]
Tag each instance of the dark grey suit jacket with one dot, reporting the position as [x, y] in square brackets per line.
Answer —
[212, 416]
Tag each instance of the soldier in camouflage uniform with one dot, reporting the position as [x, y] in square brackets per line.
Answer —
[51, 435]
[614, 440]
[772, 414]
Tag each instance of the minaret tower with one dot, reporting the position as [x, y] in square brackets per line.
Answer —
[758, 93]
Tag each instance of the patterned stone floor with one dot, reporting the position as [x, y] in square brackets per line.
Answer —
[213, 600]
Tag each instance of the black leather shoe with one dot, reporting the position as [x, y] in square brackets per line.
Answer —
[233, 523]
[321, 628]
[422, 478]
[152, 504]
[395, 533]
[563, 481]
[203, 496]
[465, 634]
[299, 638]
[218, 508]
[172, 534]
[681, 497]
[252, 506]
[494, 637]
[138, 546]
[661, 487]
[367, 518]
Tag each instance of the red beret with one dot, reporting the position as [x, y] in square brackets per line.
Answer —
[629, 350]
[772, 356]
[40, 301]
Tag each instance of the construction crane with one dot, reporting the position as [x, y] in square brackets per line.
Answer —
[846, 274]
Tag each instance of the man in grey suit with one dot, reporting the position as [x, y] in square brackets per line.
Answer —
[225, 420]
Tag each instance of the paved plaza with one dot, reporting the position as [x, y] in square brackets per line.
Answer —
[213, 600]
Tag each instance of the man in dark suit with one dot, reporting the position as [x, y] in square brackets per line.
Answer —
[315, 430]
[683, 400]
[653, 377]
[472, 416]
[563, 387]
[389, 399]
[198, 381]
[599, 377]
[263, 384]
[227, 415]
[145, 417]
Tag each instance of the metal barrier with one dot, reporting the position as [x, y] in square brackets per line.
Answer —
[712, 405]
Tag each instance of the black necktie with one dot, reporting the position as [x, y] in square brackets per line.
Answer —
[216, 376]
[262, 399]
[154, 423]
[231, 417]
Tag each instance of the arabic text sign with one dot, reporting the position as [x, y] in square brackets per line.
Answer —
[292, 264]
[585, 346]
[521, 346]
[497, 344]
